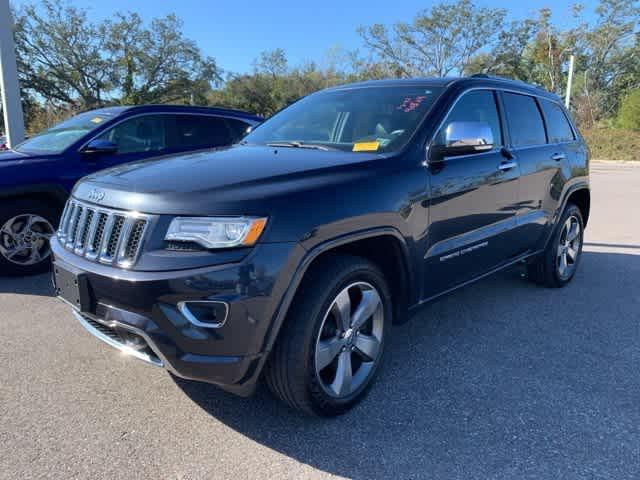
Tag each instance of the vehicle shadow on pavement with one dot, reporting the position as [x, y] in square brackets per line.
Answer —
[502, 379]
[37, 285]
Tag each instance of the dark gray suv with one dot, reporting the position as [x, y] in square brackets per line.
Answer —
[289, 256]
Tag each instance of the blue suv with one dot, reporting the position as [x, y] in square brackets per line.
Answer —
[37, 175]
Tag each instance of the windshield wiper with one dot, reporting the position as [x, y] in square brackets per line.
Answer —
[295, 144]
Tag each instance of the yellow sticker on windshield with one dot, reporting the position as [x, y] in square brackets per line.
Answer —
[366, 146]
[96, 120]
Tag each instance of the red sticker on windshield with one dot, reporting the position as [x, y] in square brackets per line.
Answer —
[409, 104]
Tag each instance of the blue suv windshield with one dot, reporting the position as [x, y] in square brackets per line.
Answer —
[56, 139]
[360, 119]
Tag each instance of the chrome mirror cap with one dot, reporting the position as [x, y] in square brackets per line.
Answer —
[469, 135]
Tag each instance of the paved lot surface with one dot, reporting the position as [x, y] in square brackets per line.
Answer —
[500, 380]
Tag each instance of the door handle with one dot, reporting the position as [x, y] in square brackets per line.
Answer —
[558, 156]
[507, 166]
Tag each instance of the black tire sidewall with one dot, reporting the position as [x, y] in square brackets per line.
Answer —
[322, 402]
[22, 206]
[571, 210]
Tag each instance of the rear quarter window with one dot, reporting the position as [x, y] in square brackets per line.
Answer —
[558, 127]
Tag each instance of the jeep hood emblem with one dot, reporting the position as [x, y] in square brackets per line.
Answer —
[95, 195]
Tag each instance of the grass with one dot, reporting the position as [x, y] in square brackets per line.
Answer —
[613, 143]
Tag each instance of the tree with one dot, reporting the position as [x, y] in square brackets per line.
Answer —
[61, 55]
[507, 57]
[65, 60]
[157, 64]
[273, 85]
[612, 50]
[439, 42]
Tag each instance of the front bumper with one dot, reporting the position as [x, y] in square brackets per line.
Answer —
[138, 313]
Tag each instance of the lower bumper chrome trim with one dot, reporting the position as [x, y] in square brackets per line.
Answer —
[126, 349]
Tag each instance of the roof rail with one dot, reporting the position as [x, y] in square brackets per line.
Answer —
[504, 79]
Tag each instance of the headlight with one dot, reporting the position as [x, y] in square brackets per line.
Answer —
[216, 232]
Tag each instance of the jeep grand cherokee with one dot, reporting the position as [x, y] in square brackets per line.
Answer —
[290, 255]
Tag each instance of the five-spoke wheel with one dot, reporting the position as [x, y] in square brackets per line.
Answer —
[349, 339]
[556, 266]
[331, 346]
[569, 246]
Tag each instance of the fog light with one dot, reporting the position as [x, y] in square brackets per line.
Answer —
[205, 314]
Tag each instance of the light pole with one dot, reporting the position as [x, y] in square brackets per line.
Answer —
[11, 104]
[567, 98]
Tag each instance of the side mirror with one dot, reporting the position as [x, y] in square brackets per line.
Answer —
[464, 138]
[103, 147]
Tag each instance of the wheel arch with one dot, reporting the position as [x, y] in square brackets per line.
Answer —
[579, 194]
[581, 197]
[50, 194]
[402, 290]
[389, 254]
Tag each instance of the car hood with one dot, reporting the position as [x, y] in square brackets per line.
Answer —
[219, 182]
[9, 155]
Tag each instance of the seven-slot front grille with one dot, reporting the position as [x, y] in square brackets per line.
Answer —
[102, 234]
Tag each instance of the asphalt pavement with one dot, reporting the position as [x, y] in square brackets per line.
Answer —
[501, 380]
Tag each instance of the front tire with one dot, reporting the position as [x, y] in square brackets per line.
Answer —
[557, 265]
[330, 347]
[25, 228]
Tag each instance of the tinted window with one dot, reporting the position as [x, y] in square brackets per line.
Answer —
[475, 106]
[558, 127]
[238, 128]
[359, 119]
[139, 134]
[525, 122]
[194, 131]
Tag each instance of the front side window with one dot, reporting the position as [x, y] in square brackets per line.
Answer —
[474, 106]
[558, 127]
[525, 122]
[199, 131]
[359, 119]
[58, 138]
[145, 133]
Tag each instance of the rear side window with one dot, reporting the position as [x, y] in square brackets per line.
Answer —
[558, 127]
[238, 128]
[475, 106]
[525, 123]
[199, 131]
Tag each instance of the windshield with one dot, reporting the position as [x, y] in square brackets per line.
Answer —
[361, 119]
[58, 138]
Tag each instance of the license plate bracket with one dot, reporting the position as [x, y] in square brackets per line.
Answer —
[72, 287]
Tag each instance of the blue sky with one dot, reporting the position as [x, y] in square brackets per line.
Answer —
[235, 32]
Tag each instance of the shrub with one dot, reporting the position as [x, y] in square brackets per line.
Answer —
[613, 143]
[629, 111]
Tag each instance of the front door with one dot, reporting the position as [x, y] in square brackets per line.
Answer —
[137, 138]
[473, 202]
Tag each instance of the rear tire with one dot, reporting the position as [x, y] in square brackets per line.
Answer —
[557, 265]
[330, 347]
[25, 228]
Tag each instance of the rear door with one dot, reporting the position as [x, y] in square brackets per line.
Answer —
[541, 159]
[473, 202]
